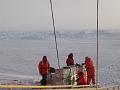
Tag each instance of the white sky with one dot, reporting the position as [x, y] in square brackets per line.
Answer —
[28, 15]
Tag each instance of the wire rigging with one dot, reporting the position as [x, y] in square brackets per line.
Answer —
[97, 41]
[53, 21]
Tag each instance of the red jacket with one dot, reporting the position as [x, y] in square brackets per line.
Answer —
[81, 79]
[89, 63]
[90, 67]
[43, 67]
[70, 61]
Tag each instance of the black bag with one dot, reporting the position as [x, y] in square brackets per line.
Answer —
[52, 70]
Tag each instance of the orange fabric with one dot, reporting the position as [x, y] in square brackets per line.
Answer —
[89, 78]
[81, 79]
[90, 71]
[43, 67]
[89, 66]
[89, 63]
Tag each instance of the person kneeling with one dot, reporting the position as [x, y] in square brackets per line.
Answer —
[81, 79]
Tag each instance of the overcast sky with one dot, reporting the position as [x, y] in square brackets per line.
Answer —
[28, 15]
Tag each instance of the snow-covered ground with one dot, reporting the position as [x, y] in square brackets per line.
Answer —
[19, 56]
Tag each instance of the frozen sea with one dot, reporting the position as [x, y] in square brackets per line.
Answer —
[19, 58]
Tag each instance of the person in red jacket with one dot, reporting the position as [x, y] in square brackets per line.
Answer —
[44, 68]
[81, 78]
[90, 70]
[70, 60]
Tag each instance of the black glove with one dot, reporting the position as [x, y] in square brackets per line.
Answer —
[83, 63]
[77, 64]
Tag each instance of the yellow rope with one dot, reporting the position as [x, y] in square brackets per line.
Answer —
[45, 87]
[85, 87]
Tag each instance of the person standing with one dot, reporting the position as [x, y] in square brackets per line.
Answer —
[90, 70]
[44, 68]
[70, 60]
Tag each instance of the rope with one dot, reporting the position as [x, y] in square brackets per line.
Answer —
[97, 45]
[56, 87]
[52, 14]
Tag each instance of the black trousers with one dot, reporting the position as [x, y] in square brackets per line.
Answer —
[44, 79]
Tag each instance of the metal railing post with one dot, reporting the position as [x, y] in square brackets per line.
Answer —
[113, 88]
[118, 87]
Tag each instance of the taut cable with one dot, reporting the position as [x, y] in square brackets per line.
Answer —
[52, 14]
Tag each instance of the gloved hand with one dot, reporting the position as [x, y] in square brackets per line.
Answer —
[77, 64]
[83, 63]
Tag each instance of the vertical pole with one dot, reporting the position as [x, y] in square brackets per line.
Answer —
[97, 45]
[113, 88]
[10, 88]
[118, 88]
